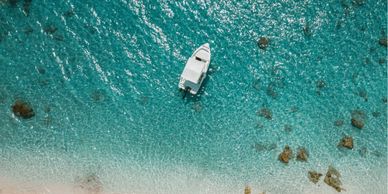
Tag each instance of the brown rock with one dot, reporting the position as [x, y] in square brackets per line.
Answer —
[265, 112]
[383, 41]
[302, 154]
[346, 142]
[22, 109]
[332, 179]
[314, 176]
[286, 155]
[357, 123]
[247, 190]
[263, 43]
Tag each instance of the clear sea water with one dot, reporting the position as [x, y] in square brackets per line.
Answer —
[102, 79]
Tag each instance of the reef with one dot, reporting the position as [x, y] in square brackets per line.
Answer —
[263, 43]
[314, 176]
[22, 109]
[302, 155]
[346, 142]
[286, 155]
[332, 179]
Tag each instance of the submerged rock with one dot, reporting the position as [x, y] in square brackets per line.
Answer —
[22, 109]
[332, 178]
[50, 29]
[320, 84]
[98, 95]
[357, 123]
[307, 30]
[287, 128]
[26, 7]
[197, 106]
[265, 112]
[363, 151]
[69, 13]
[256, 84]
[339, 122]
[358, 118]
[358, 2]
[385, 100]
[28, 30]
[263, 43]
[376, 114]
[383, 41]
[271, 91]
[302, 155]
[314, 176]
[346, 142]
[91, 184]
[247, 190]
[363, 94]
[12, 3]
[286, 155]
[262, 147]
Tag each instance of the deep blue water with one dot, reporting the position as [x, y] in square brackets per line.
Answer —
[102, 79]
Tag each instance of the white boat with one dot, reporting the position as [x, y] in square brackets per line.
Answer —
[195, 70]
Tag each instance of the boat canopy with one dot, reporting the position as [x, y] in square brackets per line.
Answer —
[203, 55]
[193, 70]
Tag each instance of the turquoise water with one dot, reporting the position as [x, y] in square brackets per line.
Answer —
[102, 79]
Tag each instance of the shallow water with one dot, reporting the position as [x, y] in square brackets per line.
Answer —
[102, 79]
